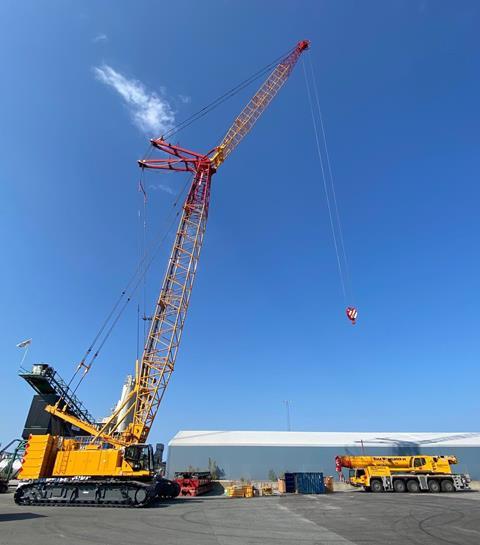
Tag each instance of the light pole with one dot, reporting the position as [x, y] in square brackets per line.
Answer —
[287, 407]
[24, 344]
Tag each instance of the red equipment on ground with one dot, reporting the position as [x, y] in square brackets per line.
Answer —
[194, 483]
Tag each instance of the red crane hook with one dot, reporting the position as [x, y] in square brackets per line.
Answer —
[352, 314]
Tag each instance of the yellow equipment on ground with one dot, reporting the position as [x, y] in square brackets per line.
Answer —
[240, 491]
[403, 473]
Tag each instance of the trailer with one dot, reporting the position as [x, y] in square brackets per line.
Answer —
[193, 483]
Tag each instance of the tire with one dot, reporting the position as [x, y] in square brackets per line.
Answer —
[376, 485]
[399, 485]
[413, 486]
[447, 486]
[433, 486]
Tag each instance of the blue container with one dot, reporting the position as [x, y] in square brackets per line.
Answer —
[290, 486]
[309, 483]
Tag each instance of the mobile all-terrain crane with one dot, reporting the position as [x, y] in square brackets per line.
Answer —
[114, 467]
[403, 473]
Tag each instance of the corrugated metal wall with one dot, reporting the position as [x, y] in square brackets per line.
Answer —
[236, 462]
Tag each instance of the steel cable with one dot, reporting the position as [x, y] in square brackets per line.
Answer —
[324, 178]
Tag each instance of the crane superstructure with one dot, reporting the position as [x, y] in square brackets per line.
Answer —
[115, 466]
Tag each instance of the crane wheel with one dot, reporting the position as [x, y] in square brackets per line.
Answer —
[376, 485]
[140, 496]
[447, 486]
[18, 496]
[433, 486]
[399, 485]
[413, 486]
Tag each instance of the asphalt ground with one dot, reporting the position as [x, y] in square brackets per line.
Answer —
[342, 518]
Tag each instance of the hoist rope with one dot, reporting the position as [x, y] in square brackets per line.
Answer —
[222, 98]
[218, 101]
[138, 333]
[131, 288]
[324, 178]
[332, 184]
[143, 190]
[143, 265]
[189, 120]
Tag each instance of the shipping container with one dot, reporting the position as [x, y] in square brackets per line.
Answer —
[309, 483]
[304, 483]
[290, 487]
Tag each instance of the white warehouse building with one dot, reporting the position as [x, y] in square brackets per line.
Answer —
[255, 454]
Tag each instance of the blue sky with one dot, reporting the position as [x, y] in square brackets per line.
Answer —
[399, 84]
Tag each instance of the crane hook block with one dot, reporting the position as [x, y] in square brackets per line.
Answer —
[352, 314]
[304, 44]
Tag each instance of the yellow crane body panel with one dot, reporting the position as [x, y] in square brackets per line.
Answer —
[94, 463]
[83, 463]
[50, 456]
[39, 457]
[430, 464]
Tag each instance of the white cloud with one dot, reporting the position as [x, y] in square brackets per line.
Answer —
[100, 38]
[162, 187]
[185, 99]
[150, 112]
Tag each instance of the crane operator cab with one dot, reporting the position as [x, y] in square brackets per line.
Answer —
[140, 457]
[355, 476]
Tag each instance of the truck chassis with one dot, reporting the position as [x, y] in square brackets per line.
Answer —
[407, 482]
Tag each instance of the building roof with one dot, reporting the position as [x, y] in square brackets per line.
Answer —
[324, 439]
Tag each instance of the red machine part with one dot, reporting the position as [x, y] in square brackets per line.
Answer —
[338, 468]
[338, 464]
[194, 484]
[352, 314]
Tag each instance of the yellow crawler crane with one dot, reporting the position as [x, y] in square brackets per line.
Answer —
[403, 473]
[114, 466]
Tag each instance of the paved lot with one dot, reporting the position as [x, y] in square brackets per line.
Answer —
[338, 519]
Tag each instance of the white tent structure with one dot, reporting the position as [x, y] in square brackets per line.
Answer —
[254, 454]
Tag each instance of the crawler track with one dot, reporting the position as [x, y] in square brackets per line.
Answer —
[94, 493]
